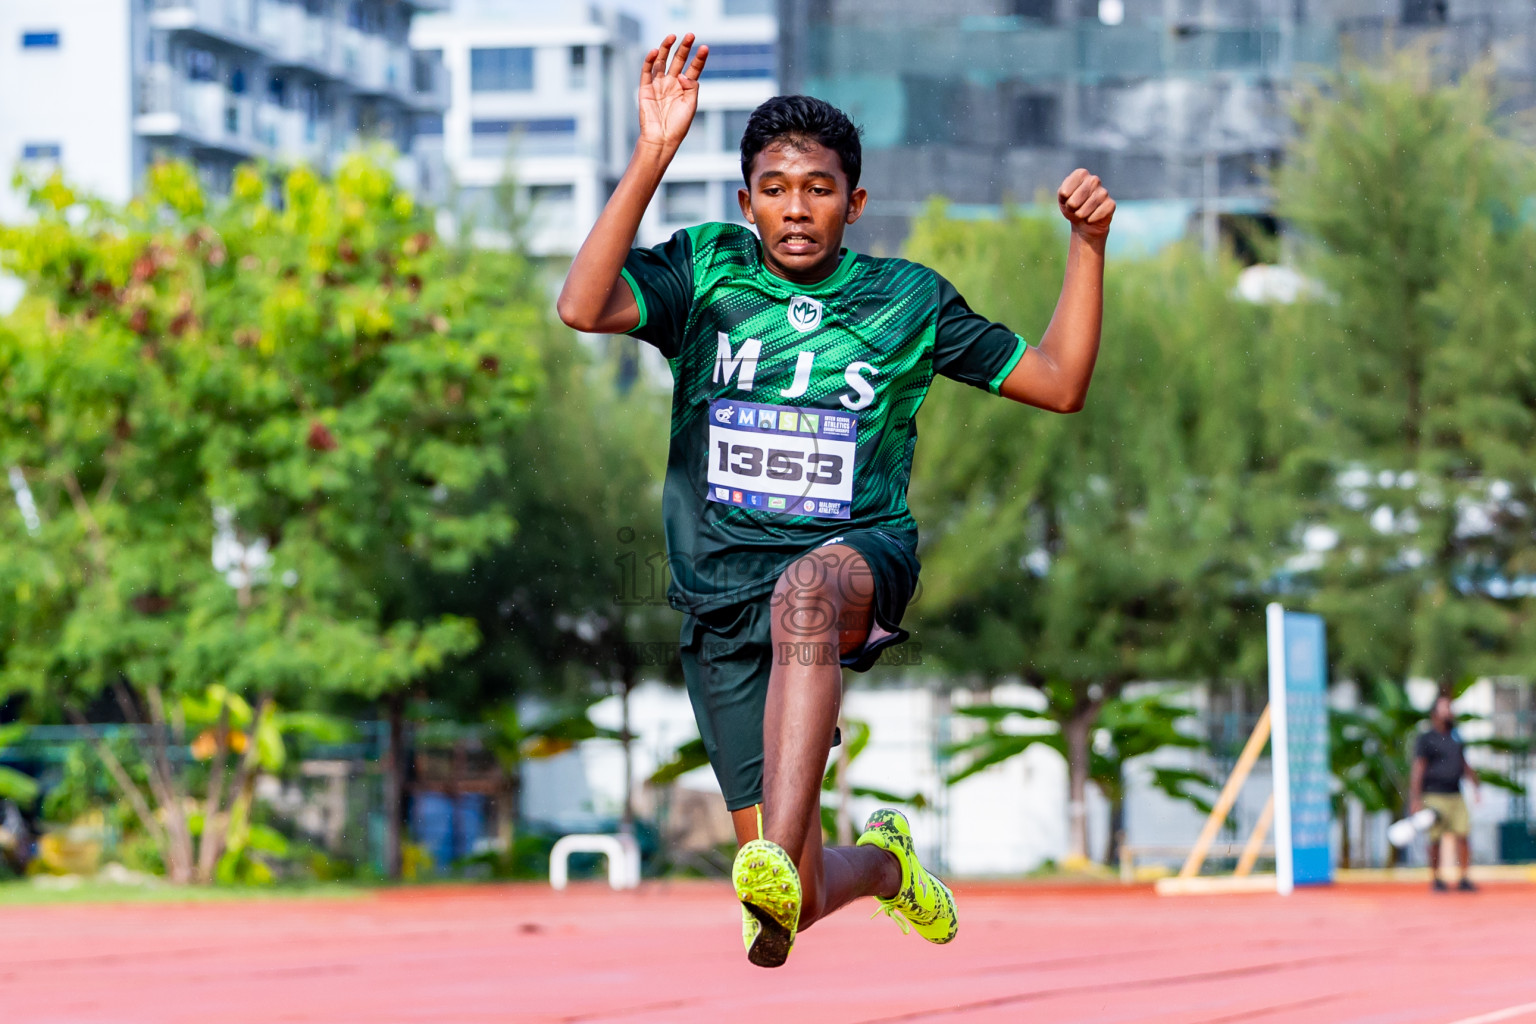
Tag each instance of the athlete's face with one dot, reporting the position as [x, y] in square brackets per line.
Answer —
[800, 202]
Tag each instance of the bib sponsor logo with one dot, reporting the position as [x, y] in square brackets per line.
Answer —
[804, 313]
[724, 413]
[838, 426]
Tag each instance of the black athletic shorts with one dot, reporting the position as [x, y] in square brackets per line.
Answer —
[727, 655]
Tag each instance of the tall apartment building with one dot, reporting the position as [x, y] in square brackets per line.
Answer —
[102, 88]
[1179, 104]
[543, 101]
[534, 104]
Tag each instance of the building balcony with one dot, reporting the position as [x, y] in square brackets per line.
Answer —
[429, 84]
[294, 38]
[281, 25]
[231, 22]
[205, 115]
[375, 66]
[350, 46]
[292, 136]
[265, 121]
[530, 146]
[288, 36]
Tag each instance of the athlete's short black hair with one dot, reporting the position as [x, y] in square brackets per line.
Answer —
[799, 119]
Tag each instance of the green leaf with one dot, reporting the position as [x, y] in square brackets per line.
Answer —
[18, 787]
[999, 712]
[265, 839]
[914, 800]
[993, 749]
[271, 752]
[1499, 780]
[854, 739]
[685, 759]
[314, 725]
[1185, 785]
[11, 734]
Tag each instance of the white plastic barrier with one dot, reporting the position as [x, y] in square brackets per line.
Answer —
[622, 851]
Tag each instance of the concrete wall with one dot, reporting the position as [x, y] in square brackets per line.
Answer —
[77, 95]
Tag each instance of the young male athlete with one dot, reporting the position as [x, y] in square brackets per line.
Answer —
[798, 370]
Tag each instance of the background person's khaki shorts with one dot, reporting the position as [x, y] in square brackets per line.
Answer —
[1453, 817]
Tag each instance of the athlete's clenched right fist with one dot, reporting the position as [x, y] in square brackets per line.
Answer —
[1086, 203]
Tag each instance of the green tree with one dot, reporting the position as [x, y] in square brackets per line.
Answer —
[1127, 727]
[574, 605]
[1415, 371]
[1127, 542]
[108, 773]
[15, 786]
[238, 428]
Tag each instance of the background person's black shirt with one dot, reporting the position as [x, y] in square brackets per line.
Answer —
[1444, 762]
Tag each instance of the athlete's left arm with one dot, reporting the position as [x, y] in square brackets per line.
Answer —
[1054, 375]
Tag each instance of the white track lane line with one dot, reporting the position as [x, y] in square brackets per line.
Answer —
[1508, 1013]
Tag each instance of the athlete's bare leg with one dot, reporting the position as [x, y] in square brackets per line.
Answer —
[823, 607]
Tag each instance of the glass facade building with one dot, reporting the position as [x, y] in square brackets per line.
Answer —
[1180, 105]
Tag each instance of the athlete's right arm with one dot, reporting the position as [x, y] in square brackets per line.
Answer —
[592, 299]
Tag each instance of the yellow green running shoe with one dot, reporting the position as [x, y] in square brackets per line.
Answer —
[923, 903]
[769, 889]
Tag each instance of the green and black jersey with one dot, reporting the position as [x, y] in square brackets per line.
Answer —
[794, 406]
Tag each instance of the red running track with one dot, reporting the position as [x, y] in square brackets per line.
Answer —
[670, 953]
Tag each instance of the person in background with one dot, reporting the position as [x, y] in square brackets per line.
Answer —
[16, 840]
[1439, 765]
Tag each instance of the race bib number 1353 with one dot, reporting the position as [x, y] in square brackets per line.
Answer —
[776, 458]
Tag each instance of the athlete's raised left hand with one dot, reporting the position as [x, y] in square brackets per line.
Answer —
[592, 299]
[1086, 204]
[670, 96]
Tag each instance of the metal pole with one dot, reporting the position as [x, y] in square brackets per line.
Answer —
[1280, 752]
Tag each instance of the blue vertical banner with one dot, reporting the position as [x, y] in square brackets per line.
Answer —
[1298, 708]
